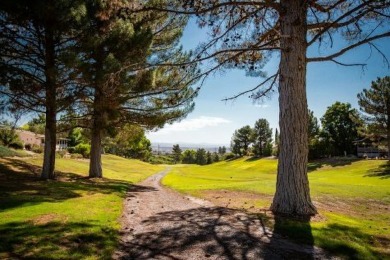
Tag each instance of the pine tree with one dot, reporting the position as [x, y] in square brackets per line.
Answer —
[375, 103]
[121, 61]
[246, 34]
[241, 140]
[176, 152]
[35, 40]
[262, 137]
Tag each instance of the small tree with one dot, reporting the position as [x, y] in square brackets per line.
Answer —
[340, 127]
[189, 157]
[176, 153]
[262, 138]
[241, 140]
[375, 103]
[201, 157]
[222, 150]
[209, 158]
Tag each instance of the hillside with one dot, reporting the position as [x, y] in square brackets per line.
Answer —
[72, 217]
[352, 197]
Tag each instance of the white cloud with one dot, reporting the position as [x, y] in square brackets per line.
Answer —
[192, 125]
[262, 105]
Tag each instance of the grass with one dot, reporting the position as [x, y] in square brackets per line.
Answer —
[69, 218]
[353, 198]
[8, 152]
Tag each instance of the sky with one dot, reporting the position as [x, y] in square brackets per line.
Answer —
[214, 121]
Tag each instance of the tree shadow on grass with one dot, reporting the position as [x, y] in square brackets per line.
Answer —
[21, 240]
[382, 171]
[332, 162]
[20, 186]
[201, 233]
[351, 243]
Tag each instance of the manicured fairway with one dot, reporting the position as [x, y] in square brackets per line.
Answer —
[353, 198]
[70, 218]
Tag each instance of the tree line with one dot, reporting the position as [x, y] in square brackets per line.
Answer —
[338, 132]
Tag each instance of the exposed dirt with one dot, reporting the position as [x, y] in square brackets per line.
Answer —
[159, 223]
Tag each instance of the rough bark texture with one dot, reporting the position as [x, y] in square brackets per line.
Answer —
[95, 164]
[292, 195]
[51, 105]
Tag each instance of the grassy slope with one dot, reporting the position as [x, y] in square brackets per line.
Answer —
[353, 198]
[71, 218]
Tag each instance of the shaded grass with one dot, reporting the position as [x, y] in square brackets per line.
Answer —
[8, 152]
[70, 218]
[353, 198]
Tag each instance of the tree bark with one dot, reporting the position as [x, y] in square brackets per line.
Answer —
[95, 163]
[51, 103]
[292, 197]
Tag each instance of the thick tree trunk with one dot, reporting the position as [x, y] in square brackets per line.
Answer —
[292, 197]
[51, 104]
[95, 163]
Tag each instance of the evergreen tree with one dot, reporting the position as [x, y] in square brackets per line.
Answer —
[209, 158]
[189, 157]
[262, 138]
[176, 152]
[201, 157]
[246, 34]
[241, 140]
[340, 126]
[375, 103]
[121, 52]
[35, 40]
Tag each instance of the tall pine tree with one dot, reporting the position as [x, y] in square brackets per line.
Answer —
[121, 62]
[375, 103]
[35, 39]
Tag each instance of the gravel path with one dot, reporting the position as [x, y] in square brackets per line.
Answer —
[159, 223]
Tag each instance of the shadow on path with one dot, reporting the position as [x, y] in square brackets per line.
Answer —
[211, 233]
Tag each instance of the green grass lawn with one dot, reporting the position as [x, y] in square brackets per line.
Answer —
[353, 198]
[70, 218]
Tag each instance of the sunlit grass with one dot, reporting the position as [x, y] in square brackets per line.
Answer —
[353, 198]
[70, 218]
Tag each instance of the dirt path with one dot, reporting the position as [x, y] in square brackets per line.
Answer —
[159, 223]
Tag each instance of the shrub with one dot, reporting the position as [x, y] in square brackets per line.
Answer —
[62, 153]
[37, 148]
[83, 149]
[76, 156]
[229, 156]
[16, 144]
[71, 149]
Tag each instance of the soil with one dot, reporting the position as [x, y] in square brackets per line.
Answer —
[159, 223]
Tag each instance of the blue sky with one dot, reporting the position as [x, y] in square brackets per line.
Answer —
[213, 121]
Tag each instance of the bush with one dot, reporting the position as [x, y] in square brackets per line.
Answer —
[229, 156]
[71, 149]
[16, 144]
[83, 149]
[37, 148]
[7, 152]
[62, 153]
[76, 156]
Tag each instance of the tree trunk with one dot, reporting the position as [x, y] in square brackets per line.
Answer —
[95, 163]
[51, 103]
[292, 197]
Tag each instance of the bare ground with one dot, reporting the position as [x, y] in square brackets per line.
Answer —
[159, 223]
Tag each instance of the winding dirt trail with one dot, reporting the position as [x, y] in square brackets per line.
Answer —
[159, 223]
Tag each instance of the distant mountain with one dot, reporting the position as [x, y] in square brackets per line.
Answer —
[167, 147]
